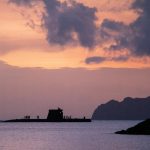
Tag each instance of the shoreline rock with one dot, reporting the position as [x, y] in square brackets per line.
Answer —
[142, 128]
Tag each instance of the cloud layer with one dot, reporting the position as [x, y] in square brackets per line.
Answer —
[71, 22]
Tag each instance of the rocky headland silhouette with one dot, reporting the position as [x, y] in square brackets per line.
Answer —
[128, 109]
[143, 128]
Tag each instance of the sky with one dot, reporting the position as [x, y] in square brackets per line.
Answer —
[72, 54]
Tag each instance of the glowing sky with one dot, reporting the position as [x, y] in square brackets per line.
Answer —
[23, 40]
[74, 41]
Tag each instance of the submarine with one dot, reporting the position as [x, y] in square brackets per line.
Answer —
[54, 115]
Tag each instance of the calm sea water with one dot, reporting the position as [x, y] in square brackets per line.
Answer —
[98, 135]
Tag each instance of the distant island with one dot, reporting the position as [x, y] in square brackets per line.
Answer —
[143, 128]
[54, 115]
[128, 109]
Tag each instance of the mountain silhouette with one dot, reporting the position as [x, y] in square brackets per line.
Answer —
[128, 109]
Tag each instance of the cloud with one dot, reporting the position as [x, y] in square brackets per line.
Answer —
[135, 36]
[113, 25]
[27, 3]
[67, 22]
[120, 58]
[118, 32]
[95, 60]
[99, 59]
[141, 28]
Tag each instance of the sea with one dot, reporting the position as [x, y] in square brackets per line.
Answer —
[95, 135]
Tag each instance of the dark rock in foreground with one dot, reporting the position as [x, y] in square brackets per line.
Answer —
[142, 128]
[128, 109]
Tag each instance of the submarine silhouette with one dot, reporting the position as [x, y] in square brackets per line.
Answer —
[54, 115]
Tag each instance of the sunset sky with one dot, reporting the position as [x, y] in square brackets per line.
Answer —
[72, 54]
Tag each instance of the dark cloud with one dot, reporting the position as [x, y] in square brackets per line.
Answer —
[95, 60]
[136, 36]
[141, 28]
[67, 22]
[99, 59]
[113, 25]
[120, 58]
[120, 33]
[63, 19]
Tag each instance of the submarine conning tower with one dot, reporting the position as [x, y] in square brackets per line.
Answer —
[55, 114]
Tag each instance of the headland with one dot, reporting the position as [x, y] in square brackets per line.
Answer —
[142, 128]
